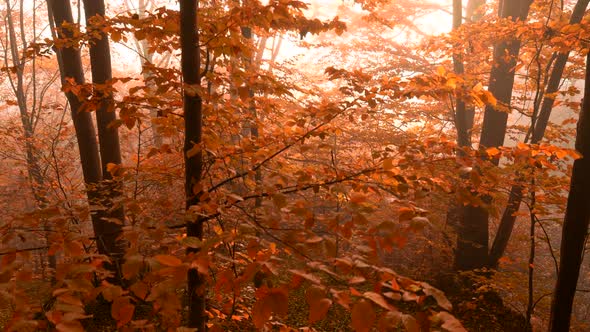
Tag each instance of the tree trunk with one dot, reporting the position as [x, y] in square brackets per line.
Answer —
[538, 127]
[555, 78]
[575, 226]
[27, 117]
[462, 114]
[472, 242]
[85, 133]
[108, 138]
[146, 57]
[192, 103]
[72, 67]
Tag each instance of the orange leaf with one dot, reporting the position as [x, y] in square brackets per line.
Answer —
[379, 300]
[493, 151]
[122, 311]
[261, 312]
[314, 294]
[362, 316]
[279, 301]
[168, 260]
[70, 326]
[274, 301]
[140, 289]
[318, 310]
[406, 213]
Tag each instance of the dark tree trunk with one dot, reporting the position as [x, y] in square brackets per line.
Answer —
[502, 77]
[462, 113]
[472, 242]
[575, 226]
[71, 66]
[538, 127]
[190, 62]
[555, 78]
[72, 69]
[108, 137]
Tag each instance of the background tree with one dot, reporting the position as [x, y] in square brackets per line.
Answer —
[538, 126]
[472, 243]
[575, 226]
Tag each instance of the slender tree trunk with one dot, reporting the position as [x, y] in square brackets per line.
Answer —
[515, 197]
[108, 137]
[190, 63]
[146, 58]
[555, 78]
[462, 114]
[575, 226]
[473, 236]
[28, 117]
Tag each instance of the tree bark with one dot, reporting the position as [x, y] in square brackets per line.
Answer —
[71, 66]
[472, 242]
[538, 127]
[72, 69]
[502, 77]
[462, 113]
[192, 104]
[108, 137]
[575, 226]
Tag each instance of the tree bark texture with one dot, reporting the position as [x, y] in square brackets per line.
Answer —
[108, 138]
[575, 226]
[192, 103]
[473, 234]
[515, 197]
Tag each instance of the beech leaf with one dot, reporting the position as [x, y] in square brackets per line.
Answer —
[362, 316]
[168, 260]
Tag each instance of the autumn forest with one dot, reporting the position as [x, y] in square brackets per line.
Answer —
[294, 165]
